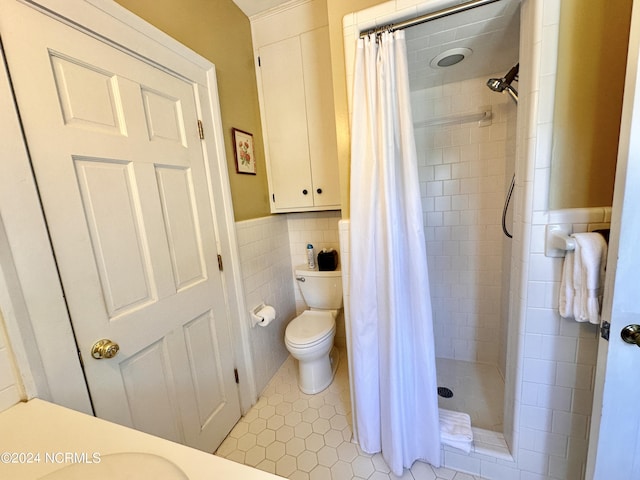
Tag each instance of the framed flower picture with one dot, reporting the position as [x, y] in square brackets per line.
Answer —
[243, 151]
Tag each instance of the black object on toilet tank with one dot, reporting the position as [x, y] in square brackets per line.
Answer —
[327, 260]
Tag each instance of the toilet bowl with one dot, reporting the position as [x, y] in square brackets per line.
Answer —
[309, 336]
[309, 339]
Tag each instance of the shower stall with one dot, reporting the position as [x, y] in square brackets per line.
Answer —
[464, 109]
[493, 296]
[465, 169]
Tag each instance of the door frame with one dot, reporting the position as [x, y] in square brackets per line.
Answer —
[31, 296]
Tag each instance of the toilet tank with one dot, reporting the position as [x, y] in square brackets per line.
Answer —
[322, 290]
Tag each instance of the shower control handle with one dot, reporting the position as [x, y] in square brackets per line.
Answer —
[631, 334]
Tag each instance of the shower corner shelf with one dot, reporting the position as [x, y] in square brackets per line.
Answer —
[484, 118]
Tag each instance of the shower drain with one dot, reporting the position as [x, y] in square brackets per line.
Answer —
[445, 392]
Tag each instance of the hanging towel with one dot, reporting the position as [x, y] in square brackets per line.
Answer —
[455, 429]
[567, 292]
[583, 278]
[593, 258]
[579, 314]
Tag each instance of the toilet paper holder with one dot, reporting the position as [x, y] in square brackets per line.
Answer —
[256, 318]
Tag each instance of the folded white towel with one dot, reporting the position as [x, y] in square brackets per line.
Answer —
[464, 446]
[567, 293]
[582, 279]
[455, 429]
[592, 250]
[579, 313]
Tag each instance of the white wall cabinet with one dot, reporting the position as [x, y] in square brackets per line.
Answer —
[299, 123]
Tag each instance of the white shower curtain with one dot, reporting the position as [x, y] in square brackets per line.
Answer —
[395, 390]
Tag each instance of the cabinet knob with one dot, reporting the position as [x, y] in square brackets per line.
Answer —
[319, 191]
[304, 192]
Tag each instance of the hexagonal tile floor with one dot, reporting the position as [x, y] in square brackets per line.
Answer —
[308, 437]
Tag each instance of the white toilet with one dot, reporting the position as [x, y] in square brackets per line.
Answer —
[309, 336]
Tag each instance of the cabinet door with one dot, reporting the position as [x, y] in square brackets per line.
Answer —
[285, 116]
[323, 148]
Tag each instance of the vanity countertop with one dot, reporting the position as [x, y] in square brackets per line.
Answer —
[38, 439]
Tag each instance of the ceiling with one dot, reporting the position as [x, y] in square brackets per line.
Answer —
[491, 32]
[253, 7]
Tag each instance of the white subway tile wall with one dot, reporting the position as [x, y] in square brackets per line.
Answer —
[464, 173]
[10, 389]
[555, 366]
[317, 228]
[558, 360]
[265, 259]
[270, 248]
[320, 229]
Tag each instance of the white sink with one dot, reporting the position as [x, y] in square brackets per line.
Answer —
[124, 466]
[67, 445]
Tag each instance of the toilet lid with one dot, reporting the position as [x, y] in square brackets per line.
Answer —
[309, 327]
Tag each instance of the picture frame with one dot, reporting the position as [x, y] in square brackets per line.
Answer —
[243, 152]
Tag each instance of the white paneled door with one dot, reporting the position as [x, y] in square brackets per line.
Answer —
[614, 443]
[120, 167]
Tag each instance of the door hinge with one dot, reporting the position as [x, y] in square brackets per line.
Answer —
[259, 64]
[200, 130]
[605, 330]
[80, 358]
[220, 266]
[235, 373]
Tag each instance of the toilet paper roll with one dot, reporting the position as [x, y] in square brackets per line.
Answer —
[267, 314]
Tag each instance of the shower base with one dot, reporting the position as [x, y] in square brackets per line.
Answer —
[478, 389]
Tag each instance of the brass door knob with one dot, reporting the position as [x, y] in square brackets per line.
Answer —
[631, 334]
[104, 348]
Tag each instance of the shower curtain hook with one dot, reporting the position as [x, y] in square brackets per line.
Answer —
[378, 31]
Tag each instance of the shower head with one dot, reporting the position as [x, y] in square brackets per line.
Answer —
[504, 83]
[495, 84]
[500, 84]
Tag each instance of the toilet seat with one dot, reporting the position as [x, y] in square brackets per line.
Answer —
[310, 328]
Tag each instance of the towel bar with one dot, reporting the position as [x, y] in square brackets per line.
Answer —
[483, 117]
[558, 239]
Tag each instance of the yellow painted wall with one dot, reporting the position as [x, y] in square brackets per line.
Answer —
[591, 67]
[588, 102]
[220, 32]
[336, 10]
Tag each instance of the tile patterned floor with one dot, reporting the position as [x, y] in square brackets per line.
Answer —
[308, 437]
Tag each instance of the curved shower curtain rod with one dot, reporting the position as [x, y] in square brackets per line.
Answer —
[427, 17]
